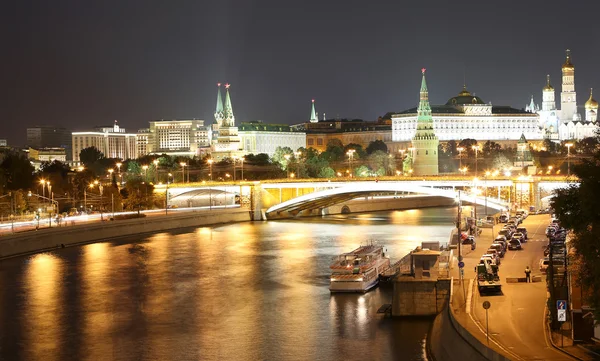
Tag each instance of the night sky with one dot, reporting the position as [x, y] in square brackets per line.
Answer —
[83, 63]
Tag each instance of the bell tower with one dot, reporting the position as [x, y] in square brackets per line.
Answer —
[568, 96]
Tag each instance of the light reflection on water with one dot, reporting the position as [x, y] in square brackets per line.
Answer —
[244, 291]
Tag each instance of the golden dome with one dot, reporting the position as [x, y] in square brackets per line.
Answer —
[548, 87]
[568, 64]
[591, 102]
[464, 92]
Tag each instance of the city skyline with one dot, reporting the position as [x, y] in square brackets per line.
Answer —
[82, 73]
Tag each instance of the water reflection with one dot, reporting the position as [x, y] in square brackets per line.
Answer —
[41, 314]
[246, 291]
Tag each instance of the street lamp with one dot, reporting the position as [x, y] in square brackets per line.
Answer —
[167, 194]
[460, 150]
[119, 164]
[487, 174]
[210, 162]
[145, 168]
[287, 164]
[350, 153]
[569, 145]
[476, 149]
[156, 161]
[297, 155]
[183, 165]
[242, 159]
[549, 170]
[464, 170]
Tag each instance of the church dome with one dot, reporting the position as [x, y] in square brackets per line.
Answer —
[464, 97]
[568, 64]
[548, 88]
[591, 102]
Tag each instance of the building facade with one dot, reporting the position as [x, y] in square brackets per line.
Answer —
[113, 142]
[175, 137]
[257, 137]
[50, 137]
[467, 116]
[141, 141]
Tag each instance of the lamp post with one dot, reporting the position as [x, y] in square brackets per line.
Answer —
[110, 173]
[183, 165]
[569, 145]
[287, 164]
[167, 194]
[226, 176]
[155, 170]
[487, 174]
[145, 168]
[460, 150]
[242, 159]
[43, 183]
[412, 158]
[475, 180]
[350, 153]
[235, 158]
[119, 164]
[210, 162]
[297, 155]
[476, 149]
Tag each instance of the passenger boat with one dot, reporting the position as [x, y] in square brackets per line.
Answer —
[358, 271]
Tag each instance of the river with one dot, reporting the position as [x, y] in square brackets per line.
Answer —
[247, 291]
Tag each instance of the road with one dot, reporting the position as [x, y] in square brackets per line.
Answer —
[517, 317]
[30, 225]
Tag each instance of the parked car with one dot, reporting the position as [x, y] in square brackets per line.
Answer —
[514, 244]
[503, 243]
[499, 248]
[523, 230]
[556, 262]
[519, 236]
[495, 253]
[505, 233]
[550, 231]
[470, 240]
[503, 218]
[512, 227]
[488, 259]
[522, 213]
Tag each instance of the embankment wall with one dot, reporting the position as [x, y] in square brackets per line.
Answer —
[52, 238]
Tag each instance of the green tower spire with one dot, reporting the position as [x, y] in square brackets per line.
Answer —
[219, 108]
[424, 109]
[228, 117]
[313, 113]
[425, 142]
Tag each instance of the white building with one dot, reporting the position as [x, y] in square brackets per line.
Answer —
[176, 137]
[113, 142]
[141, 141]
[467, 116]
[258, 137]
[565, 123]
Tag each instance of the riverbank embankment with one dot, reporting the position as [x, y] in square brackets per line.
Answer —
[52, 238]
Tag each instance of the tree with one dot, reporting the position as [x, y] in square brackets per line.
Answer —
[279, 156]
[450, 148]
[577, 209]
[326, 172]
[588, 145]
[16, 171]
[138, 195]
[362, 171]
[257, 159]
[501, 162]
[491, 148]
[90, 155]
[468, 144]
[359, 152]
[375, 146]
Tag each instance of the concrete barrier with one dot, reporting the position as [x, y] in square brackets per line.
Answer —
[523, 279]
[47, 239]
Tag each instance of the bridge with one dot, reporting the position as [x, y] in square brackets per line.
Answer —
[292, 198]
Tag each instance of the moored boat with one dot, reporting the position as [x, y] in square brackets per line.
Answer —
[358, 271]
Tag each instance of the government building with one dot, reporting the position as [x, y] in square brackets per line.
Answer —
[113, 142]
[468, 116]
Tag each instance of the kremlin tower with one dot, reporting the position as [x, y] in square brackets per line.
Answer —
[425, 142]
[228, 143]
